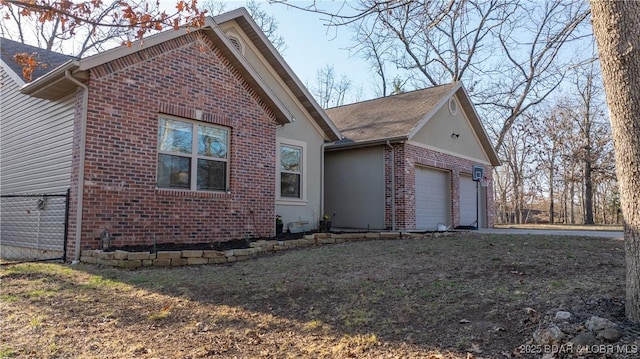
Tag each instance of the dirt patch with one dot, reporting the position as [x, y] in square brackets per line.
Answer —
[466, 296]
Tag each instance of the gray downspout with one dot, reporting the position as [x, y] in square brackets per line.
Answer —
[83, 135]
[393, 187]
[321, 181]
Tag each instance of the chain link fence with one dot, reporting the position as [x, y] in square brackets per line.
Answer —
[33, 227]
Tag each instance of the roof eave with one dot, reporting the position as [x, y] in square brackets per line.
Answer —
[54, 85]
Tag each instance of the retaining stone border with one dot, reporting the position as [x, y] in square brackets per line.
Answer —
[124, 259]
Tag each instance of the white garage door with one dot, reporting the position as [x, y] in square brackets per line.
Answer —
[433, 198]
[467, 201]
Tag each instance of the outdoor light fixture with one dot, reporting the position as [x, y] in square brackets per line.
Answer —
[455, 135]
[105, 239]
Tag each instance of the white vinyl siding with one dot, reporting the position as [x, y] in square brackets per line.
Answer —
[432, 198]
[36, 141]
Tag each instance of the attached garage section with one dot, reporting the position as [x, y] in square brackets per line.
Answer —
[354, 188]
[433, 198]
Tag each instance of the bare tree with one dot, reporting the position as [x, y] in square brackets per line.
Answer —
[616, 25]
[58, 20]
[330, 90]
[531, 69]
[551, 130]
[55, 35]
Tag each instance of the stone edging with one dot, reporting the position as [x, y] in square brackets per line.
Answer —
[124, 259]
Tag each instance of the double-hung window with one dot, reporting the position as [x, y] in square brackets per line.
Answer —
[192, 155]
[291, 168]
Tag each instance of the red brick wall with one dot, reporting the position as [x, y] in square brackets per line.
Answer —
[186, 77]
[407, 156]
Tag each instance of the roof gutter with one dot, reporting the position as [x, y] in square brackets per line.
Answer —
[80, 189]
[50, 78]
[367, 143]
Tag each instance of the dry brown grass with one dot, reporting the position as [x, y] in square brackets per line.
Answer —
[378, 299]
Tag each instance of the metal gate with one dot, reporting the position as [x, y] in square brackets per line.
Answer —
[33, 227]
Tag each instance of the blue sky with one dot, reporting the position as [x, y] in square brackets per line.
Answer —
[310, 45]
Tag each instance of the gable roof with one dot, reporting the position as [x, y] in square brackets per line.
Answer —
[273, 57]
[42, 86]
[47, 59]
[400, 117]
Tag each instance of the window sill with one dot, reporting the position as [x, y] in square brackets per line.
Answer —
[195, 194]
[291, 202]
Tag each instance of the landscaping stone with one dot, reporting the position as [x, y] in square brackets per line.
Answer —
[162, 262]
[169, 254]
[126, 259]
[138, 256]
[118, 254]
[192, 254]
[562, 316]
[178, 261]
[584, 340]
[596, 324]
[548, 336]
[212, 254]
[611, 334]
[106, 255]
[197, 260]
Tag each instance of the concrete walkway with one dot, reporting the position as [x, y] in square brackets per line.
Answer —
[553, 232]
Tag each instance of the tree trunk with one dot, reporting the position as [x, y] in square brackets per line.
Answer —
[616, 25]
[551, 217]
[588, 190]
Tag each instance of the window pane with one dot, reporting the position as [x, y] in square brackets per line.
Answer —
[290, 158]
[173, 171]
[174, 136]
[290, 185]
[212, 142]
[212, 175]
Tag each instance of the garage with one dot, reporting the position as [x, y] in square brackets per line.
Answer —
[433, 198]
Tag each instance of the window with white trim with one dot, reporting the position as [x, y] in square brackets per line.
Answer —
[192, 155]
[291, 167]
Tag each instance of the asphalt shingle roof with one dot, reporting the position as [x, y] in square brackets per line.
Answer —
[387, 117]
[51, 59]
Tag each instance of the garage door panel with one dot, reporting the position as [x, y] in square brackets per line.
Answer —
[432, 198]
[467, 201]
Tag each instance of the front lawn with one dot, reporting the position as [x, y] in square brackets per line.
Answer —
[465, 296]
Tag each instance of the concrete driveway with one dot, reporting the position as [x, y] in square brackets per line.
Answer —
[552, 232]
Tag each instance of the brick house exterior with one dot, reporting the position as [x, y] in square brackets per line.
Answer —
[407, 157]
[175, 140]
[120, 192]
